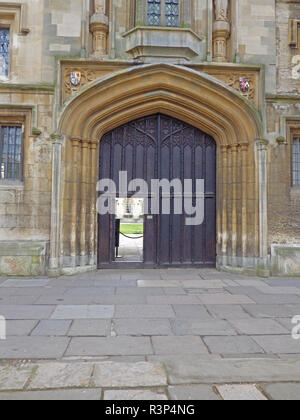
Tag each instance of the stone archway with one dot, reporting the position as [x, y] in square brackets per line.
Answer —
[178, 92]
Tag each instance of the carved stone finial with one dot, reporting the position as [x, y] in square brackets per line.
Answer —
[100, 7]
[99, 28]
[221, 30]
[221, 10]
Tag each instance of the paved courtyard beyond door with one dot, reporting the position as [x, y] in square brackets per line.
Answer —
[193, 322]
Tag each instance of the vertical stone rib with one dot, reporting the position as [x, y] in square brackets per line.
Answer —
[234, 152]
[83, 211]
[224, 199]
[74, 202]
[93, 198]
[244, 150]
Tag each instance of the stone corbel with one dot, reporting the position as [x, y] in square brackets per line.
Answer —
[99, 27]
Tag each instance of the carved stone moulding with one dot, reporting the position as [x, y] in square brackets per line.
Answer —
[232, 77]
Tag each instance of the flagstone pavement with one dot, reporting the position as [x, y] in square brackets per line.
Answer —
[150, 334]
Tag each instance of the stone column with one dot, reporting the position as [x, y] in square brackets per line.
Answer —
[93, 198]
[75, 199]
[57, 143]
[99, 27]
[234, 151]
[224, 201]
[221, 30]
[83, 211]
[262, 151]
[244, 150]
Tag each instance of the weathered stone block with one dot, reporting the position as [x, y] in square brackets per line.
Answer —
[285, 260]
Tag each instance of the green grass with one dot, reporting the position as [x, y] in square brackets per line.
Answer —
[132, 229]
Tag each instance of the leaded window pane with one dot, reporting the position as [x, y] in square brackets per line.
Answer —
[296, 161]
[154, 12]
[11, 153]
[4, 51]
[172, 12]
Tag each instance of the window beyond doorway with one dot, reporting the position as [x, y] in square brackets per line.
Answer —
[11, 153]
[163, 13]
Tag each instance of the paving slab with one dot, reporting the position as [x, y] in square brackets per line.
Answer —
[173, 300]
[18, 300]
[83, 312]
[198, 312]
[115, 283]
[129, 375]
[14, 378]
[269, 299]
[90, 291]
[232, 371]
[134, 395]
[141, 291]
[25, 283]
[109, 346]
[227, 312]
[33, 347]
[192, 393]
[276, 344]
[202, 328]
[232, 345]
[224, 299]
[269, 311]
[286, 323]
[203, 284]
[144, 311]
[26, 312]
[62, 375]
[240, 393]
[258, 327]
[283, 282]
[186, 345]
[172, 291]
[90, 328]
[142, 327]
[60, 395]
[52, 328]
[159, 283]
[20, 328]
[282, 392]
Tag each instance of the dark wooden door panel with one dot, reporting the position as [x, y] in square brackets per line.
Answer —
[158, 147]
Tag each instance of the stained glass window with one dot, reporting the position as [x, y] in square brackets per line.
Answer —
[163, 13]
[172, 12]
[4, 51]
[11, 153]
[296, 161]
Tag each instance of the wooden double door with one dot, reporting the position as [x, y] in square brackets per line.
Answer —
[153, 148]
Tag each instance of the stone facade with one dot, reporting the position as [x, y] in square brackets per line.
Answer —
[230, 68]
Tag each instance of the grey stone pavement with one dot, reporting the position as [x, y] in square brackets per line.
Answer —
[150, 334]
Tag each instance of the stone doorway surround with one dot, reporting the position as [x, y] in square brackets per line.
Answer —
[180, 92]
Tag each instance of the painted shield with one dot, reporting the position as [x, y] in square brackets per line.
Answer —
[244, 84]
[75, 78]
